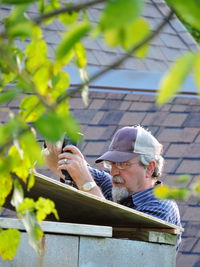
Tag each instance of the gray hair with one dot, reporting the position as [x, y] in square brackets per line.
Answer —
[145, 159]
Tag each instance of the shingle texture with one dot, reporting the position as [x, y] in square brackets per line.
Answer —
[181, 148]
[164, 49]
[176, 125]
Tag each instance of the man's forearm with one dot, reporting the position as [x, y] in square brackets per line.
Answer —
[87, 179]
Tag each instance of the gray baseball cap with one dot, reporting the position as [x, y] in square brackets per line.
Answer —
[129, 142]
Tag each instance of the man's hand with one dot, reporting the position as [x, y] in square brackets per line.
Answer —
[73, 161]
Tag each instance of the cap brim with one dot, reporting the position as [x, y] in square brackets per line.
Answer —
[116, 156]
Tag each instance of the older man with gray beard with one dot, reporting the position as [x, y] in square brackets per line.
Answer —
[134, 164]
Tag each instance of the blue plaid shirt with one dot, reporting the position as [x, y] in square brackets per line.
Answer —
[144, 201]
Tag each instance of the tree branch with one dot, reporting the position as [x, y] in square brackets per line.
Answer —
[118, 62]
[112, 66]
[69, 9]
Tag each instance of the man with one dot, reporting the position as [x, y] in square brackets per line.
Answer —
[135, 163]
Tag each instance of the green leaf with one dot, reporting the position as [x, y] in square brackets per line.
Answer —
[172, 81]
[5, 165]
[5, 185]
[74, 35]
[17, 14]
[183, 178]
[197, 70]
[80, 55]
[21, 163]
[61, 81]
[7, 78]
[60, 84]
[37, 33]
[197, 190]
[23, 29]
[10, 129]
[41, 6]
[47, 7]
[180, 194]
[188, 10]
[36, 53]
[9, 242]
[112, 37]
[118, 13]
[72, 128]
[42, 79]
[31, 181]
[162, 191]
[34, 155]
[33, 229]
[165, 192]
[31, 108]
[51, 126]
[27, 204]
[134, 33]
[18, 194]
[44, 207]
[195, 187]
[8, 95]
[68, 18]
[59, 63]
[17, 24]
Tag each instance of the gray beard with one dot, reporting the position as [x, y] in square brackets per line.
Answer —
[119, 193]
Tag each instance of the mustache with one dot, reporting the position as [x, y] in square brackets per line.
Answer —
[117, 179]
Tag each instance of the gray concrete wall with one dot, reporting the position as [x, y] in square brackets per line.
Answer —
[74, 245]
[82, 251]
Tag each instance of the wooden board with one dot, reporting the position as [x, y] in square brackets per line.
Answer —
[75, 206]
[61, 228]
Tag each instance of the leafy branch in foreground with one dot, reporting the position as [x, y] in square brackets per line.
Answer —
[66, 94]
[177, 191]
[67, 9]
[42, 87]
[118, 62]
[39, 82]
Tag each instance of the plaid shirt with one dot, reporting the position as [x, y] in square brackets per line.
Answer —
[144, 201]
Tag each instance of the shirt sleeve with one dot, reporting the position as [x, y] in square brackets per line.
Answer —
[103, 180]
[163, 209]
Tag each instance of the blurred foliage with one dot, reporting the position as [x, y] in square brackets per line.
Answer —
[172, 81]
[166, 192]
[188, 11]
[178, 191]
[43, 87]
[9, 241]
[192, 30]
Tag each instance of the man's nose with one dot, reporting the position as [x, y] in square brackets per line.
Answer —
[114, 170]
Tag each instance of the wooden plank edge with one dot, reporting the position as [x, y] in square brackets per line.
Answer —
[133, 229]
[145, 234]
[96, 198]
[61, 228]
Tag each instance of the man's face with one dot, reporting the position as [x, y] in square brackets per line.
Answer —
[119, 191]
[134, 178]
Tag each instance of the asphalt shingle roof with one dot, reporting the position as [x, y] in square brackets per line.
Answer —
[175, 124]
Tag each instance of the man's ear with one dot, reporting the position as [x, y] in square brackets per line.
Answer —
[150, 168]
